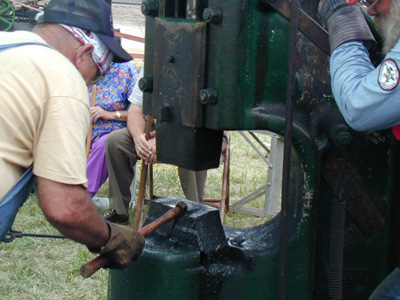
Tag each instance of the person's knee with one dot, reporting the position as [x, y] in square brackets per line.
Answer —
[112, 141]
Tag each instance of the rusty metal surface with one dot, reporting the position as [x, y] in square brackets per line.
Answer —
[179, 70]
[307, 25]
[359, 203]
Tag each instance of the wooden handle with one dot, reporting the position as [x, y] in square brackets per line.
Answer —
[91, 267]
[168, 216]
[89, 136]
[142, 185]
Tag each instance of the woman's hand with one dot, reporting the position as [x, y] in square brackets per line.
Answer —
[98, 113]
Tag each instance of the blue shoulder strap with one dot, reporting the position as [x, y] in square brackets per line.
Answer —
[10, 46]
[14, 199]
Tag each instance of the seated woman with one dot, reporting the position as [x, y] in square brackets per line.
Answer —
[109, 113]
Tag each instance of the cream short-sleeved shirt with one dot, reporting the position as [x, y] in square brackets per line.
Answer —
[44, 114]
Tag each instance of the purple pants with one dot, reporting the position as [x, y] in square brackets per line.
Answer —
[97, 172]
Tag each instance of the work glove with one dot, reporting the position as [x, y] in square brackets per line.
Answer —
[345, 23]
[124, 245]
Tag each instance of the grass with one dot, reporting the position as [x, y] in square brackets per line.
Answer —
[41, 268]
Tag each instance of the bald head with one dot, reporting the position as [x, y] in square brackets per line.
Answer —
[59, 38]
[79, 55]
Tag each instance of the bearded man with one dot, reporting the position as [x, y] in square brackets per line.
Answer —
[364, 94]
[368, 97]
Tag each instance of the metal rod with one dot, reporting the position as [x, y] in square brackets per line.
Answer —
[287, 149]
[259, 142]
[13, 234]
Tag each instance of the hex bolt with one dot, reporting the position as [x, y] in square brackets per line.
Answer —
[149, 8]
[170, 59]
[341, 137]
[212, 15]
[146, 84]
[208, 96]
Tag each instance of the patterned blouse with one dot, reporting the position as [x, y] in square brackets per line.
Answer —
[112, 94]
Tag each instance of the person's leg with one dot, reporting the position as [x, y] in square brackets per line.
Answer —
[193, 183]
[389, 288]
[121, 158]
[201, 177]
[97, 172]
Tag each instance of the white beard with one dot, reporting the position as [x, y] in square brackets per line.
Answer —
[390, 27]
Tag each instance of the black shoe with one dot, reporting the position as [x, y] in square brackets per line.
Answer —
[111, 215]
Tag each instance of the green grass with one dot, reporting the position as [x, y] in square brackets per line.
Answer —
[40, 268]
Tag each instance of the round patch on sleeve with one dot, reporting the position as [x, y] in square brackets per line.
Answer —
[388, 75]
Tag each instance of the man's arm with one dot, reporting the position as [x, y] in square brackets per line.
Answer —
[364, 103]
[70, 209]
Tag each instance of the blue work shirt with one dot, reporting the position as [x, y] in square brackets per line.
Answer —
[368, 97]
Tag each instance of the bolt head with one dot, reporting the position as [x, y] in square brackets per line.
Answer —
[212, 15]
[149, 8]
[146, 84]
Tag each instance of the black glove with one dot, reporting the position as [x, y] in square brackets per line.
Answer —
[124, 245]
[345, 23]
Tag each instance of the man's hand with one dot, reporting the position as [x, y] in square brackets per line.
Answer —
[124, 245]
[152, 158]
[145, 148]
[327, 7]
[345, 23]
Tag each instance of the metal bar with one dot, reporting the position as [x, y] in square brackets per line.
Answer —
[129, 37]
[259, 142]
[13, 234]
[51, 236]
[225, 183]
[287, 148]
[251, 210]
[256, 149]
[274, 182]
[27, 6]
[254, 195]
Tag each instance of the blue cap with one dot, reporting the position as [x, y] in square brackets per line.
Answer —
[93, 15]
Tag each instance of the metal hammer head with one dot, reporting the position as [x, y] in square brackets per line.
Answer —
[182, 210]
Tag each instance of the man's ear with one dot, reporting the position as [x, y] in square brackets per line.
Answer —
[83, 53]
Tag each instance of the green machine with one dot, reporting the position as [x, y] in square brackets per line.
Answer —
[214, 65]
[7, 15]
